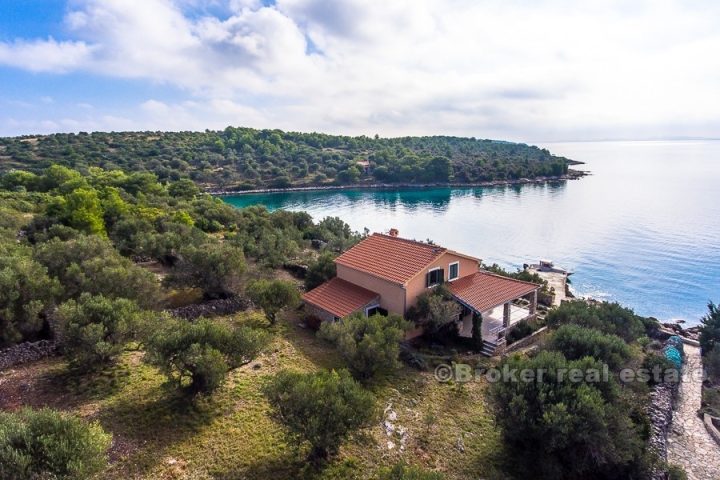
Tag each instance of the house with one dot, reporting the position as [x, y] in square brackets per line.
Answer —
[386, 273]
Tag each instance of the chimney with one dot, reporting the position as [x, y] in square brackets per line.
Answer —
[393, 232]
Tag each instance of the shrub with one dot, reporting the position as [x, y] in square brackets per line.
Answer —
[369, 345]
[321, 408]
[95, 329]
[660, 369]
[402, 471]
[519, 331]
[214, 267]
[197, 356]
[557, 428]
[712, 363]
[610, 318]
[26, 292]
[320, 271]
[710, 332]
[91, 264]
[576, 342]
[676, 472]
[48, 444]
[273, 295]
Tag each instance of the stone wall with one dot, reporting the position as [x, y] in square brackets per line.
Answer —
[26, 352]
[212, 308]
[660, 411]
[525, 341]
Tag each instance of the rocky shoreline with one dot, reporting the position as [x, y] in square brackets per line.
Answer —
[571, 175]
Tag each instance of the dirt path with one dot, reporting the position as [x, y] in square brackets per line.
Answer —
[689, 444]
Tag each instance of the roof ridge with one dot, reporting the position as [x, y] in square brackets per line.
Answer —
[407, 240]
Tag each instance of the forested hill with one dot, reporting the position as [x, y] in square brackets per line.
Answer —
[245, 158]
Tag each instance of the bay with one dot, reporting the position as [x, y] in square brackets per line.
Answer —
[643, 229]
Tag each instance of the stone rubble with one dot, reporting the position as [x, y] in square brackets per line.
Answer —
[212, 308]
[26, 352]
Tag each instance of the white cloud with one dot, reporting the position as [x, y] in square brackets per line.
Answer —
[550, 69]
[45, 55]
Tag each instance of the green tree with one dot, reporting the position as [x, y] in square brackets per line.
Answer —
[214, 267]
[26, 292]
[369, 345]
[197, 356]
[82, 210]
[576, 342]
[710, 331]
[559, 428]
[610, 318]
[320, 270]
[91, 264]
[183, 188]
[39, 444]
[322, 408]
[272, 296]
[94, 329]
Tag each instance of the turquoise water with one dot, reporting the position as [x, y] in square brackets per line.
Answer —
[643, 229]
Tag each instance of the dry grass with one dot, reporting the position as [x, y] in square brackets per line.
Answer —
[233, 434]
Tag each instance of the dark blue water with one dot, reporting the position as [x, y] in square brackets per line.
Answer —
[643, 230]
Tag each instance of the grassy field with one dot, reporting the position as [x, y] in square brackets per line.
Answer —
[233, 435]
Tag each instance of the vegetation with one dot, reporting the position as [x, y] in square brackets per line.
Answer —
[202, 243]
[609, 318]
[322, 408]
[272, 296]
[95, 329]
[576, 342]
[197, 356]
[37, 444]
[710, 332]
[369, 345]
[575, 421]
[402, 471]
[564, 429]
[320, 270]
[245, 158]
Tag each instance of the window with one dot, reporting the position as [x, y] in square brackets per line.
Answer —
[434, 277]
[376, 310]
[453, 271]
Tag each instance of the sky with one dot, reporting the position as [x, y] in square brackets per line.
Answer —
[522, 70]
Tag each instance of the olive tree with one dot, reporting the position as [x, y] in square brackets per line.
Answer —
[321, 408]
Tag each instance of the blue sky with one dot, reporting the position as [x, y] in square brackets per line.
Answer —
[530, 71]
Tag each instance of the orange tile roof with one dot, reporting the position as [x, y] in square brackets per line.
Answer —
[339, 297]
[483, 290]
[392, 258]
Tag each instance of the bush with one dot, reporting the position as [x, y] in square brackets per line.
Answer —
[273, 295]
[676, 472]
[91, 264]
[368, 345]
[95, 329]
[610, 318]
[660, 369]
[557, 428]
[48, 444]
[320, 271]
[321, 408]
[576, 342]
[712, 363]
[197, 356]
[214, 267]
[710, 332]
[519, 331]
[26, 292]
[402, 471]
